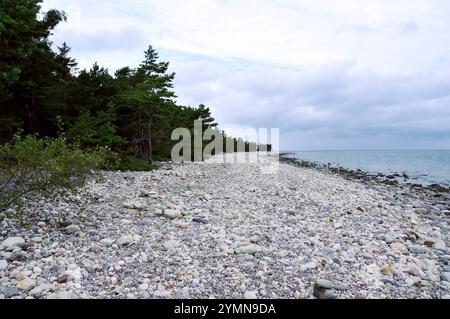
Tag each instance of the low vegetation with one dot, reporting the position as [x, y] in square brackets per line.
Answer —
[48, 166]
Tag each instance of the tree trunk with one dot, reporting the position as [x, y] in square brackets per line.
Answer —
[149, 141]
[30, 115]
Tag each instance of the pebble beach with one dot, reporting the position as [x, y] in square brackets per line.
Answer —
[227, 230]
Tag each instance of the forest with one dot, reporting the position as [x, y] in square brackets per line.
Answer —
[43, 93]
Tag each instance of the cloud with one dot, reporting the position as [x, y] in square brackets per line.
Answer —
[335, 102]
[384, 35]
[329, 74]
[127, 39]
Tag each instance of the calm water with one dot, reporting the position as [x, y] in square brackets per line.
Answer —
[426, 167]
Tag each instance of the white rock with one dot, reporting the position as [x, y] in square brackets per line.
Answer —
[251, 295]
[26, 284]
[107, 242]
[3, 264]
[134, 205]
[310, 265]
[41, 224]
[337, 225]
[39, 290]
[37, 270]
[184, 294]
[37, 239]
[415, 270]
[75, 274]
[389, 238]
[63, 295]
[11, 243]
[173, 213]
[399, 247]
[73, 229]
[410, 281]
[143, 287]
[171, 244]
[250, 249]
[445, 276]
[439, 244]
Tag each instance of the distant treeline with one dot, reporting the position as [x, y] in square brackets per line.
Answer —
[43, 93]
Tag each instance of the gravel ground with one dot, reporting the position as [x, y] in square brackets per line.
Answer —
[212, 230]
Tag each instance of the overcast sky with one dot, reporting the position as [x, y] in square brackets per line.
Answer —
[346, 74]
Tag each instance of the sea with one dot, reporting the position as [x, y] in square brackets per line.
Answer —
[422, 166]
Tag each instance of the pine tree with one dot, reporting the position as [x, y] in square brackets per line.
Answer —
[38, 74]
[148, 93]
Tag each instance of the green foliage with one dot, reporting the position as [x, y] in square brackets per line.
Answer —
[109, 160]
[17, 24]
[132, 113]
[46, 166]
[98, 130]
[137, 165]
[145, 96]
[28, 68]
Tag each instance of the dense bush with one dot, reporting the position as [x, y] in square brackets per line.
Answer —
[132, 164]
[46, 166]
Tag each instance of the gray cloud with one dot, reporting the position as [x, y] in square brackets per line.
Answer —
[103, 40]
[336, 103]
[362, 75]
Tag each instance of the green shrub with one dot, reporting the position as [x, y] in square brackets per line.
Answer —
[47, 166]
[110, 161]
[133, 164]
[96, 130]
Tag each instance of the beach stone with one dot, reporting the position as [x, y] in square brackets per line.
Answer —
[63, 295]
[173, 213]
[418, 204]
[250, 295]
[143, 287]
[171, 244]
[184, 293]
[138, 205]
[412, 280]
[414, 270]
[107, 242]
[26, 284]
[439, 244]
[10, 292]
[399, 247]
[322, 293]
[39, 290]
[249, 249]
[389, 238]
[387, 270]
[145, 222]
[11, 243]
[17, 256]
[445, 276]
[125, 241]
[310, 265]
[41, 224]
[328, 284]
[3, 264]
[73, 229]
[418, 249]
[200, 220]
[63, 278]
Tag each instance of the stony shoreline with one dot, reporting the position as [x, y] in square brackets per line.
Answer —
[436, 196]
[228, 231]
